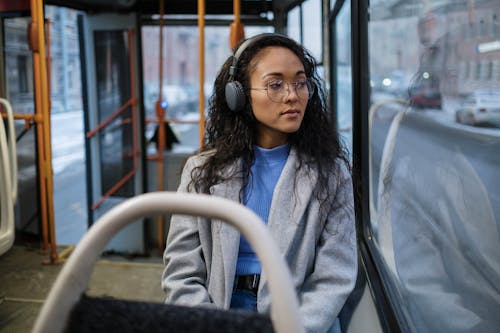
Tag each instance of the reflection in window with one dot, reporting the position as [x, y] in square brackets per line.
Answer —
[293, 24]
[343, 74]
[312, 28]
[435, 213]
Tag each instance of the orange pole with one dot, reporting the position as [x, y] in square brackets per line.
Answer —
[201, 66]
[33, 32]
[47, 59]
[236, 29]
[160, 114]
[42, 102]
[236, 9]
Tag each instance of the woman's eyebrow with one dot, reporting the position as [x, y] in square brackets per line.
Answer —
[299, 72]
[272, 74]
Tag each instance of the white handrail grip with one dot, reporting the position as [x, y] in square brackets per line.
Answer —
[7, 227]
[371, 114]
[12, 148]
[74, 277]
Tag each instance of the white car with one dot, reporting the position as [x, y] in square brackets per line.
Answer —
[480, 108]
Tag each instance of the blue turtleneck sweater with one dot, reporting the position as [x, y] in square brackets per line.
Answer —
[258, 195]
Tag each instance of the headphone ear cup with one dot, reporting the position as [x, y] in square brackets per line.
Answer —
[235, 96]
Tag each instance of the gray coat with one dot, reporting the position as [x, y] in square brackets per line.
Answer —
[320, 248]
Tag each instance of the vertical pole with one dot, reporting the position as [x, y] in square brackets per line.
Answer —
[34, 46]
[201, 66]
[160, 115]
[236, 10]
[42, 103]
[236, 31]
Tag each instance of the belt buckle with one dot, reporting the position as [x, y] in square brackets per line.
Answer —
[247, 282]
[254, 283]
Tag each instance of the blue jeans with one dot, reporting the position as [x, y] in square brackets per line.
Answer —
[244, 300]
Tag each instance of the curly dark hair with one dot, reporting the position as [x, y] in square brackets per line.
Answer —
[232, 135]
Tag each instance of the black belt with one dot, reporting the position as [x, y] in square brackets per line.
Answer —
[247, 282]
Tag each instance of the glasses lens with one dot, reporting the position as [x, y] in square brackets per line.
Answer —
[303, 88]
[279, 90]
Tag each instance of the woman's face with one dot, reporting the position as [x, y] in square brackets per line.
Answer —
[276, 119]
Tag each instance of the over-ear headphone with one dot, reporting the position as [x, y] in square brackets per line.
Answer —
[235, 94]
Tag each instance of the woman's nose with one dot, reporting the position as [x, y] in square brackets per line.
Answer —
[291, 92]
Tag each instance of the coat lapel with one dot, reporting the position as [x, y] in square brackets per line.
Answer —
[290, 199]
[229, 236]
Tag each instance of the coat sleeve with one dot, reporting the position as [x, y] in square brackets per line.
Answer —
[334, 273]
[185, 274]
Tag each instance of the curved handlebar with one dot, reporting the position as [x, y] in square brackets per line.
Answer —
[73, 278]
[12, 148]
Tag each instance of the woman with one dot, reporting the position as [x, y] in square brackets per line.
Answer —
[270, 146]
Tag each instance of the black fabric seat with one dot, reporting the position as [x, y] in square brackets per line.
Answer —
[98, 314]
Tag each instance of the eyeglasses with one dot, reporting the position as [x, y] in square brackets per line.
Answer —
[278, 90]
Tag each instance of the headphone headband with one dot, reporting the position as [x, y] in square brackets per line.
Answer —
[243, 46]
[234, 92]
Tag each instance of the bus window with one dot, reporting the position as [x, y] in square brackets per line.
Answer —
[343, 75]
[294, 24]
[180, 77]
[312, 28]
[434, 142]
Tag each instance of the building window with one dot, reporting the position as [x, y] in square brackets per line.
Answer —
[478, 70]
[22, 69]
[482, 28]
[494, 24]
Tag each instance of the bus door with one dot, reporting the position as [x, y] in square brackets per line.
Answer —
[112, 114]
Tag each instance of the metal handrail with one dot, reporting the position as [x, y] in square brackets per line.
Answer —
[12, 149]
[8, 182]
[74, 277]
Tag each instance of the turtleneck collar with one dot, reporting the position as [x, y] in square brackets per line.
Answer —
[272, 155]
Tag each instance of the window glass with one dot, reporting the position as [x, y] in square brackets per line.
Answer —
[67, 150]
[343, 73]
[181, 76]
[19, 90]
[311, 10]
[434, 159]
[293, 24]
[112, 79]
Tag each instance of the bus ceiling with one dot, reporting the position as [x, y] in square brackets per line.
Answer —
[178, 7]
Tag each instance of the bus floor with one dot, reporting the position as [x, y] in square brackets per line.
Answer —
[25, 282]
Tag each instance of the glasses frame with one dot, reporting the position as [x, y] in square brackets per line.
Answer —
[309, 84]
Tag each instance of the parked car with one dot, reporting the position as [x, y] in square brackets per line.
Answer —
[425, 97]
[480, 108]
